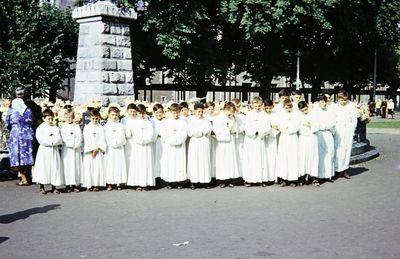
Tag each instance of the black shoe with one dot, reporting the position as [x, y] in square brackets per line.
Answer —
[222, 185]
[192, 187]
[247, 184]
[169, 187]
[231, 185]
[346, 175]
[179, 187]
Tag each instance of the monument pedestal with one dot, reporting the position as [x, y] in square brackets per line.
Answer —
[104, 60]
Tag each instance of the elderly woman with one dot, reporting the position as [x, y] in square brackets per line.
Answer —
[20, 119]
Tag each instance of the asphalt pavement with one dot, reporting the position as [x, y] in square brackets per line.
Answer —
[356, 218]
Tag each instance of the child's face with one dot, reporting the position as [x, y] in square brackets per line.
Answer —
[69, 118]
[113, 116]
[175, 114]
[322, 104]
[229, 112]
[328, 97]
[142, 115]
[296, 98]
[257, 106]
[283, 98]
[199, 113]
[288, 108]
[210, 110]
[95, 119]
[159, 114]
[343, 101]
[268, 109]
[132, 113]
[185, 111]
[304, 110]
[48, 120]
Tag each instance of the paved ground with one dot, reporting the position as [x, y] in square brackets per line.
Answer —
[357, 218]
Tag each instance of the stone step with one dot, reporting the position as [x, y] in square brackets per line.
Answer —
[366, 156]
[360, 147]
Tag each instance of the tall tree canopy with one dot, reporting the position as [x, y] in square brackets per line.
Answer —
[35, 43]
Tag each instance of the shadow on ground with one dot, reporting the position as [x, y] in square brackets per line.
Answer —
[357, 170]
[9, 218]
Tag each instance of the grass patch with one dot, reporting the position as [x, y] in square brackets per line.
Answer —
[384, 124]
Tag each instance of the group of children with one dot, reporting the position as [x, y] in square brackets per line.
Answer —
[289, 143]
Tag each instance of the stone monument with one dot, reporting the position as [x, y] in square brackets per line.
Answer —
[104, 60]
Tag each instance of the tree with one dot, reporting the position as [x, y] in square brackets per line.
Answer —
[35, 44]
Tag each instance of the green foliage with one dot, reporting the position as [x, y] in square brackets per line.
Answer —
[36, 41]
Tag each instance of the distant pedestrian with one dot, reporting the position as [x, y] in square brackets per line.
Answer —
[383, 109]
[390, 108]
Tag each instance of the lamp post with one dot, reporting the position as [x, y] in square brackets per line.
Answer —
[298, 82]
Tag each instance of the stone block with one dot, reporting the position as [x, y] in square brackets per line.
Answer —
[123, 41]
[125, 89]
[127, 53]
[94, 76]
[105, 101]
[82, 52]
[84, 28]
[106, 28]
[129, 77]
[81, 41]
[80, 64]
[80, 76]
[116, 77]
[125, 65]
[125, 30]
[105, 77]
[110, 65]
[109, 89]
[117, 53]
[105, 52]
[108, 40]
[115, 28]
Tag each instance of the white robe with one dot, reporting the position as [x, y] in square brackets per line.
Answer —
[173, 161]
[271, 148]
[288, 146]
[213, 143]
[93, 168]
[71, 154]
[326, 146]
[115, 160]
[48, 166]
[308, 145]
[346, 123]
[141, 134]
[240, 120]
[129, 141]
[157, 146]
[257, 127]
[226, 163]
[199, 160]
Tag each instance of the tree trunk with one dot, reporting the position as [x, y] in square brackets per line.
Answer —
[265, 83]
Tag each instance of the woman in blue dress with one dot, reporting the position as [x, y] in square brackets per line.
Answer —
[19, 120]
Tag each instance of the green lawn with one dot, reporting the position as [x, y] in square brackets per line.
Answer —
[384, 124]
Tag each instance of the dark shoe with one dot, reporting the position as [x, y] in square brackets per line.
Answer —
[139, 189]
[222, 185]
[95, 189]
[231, 185]
[89, 189]
[42, 191]
[247, 184]
[76, 189]
[192, 187]
[264, 185]
[179, 187]
[169, 187]
[346, 175]
[55, 191]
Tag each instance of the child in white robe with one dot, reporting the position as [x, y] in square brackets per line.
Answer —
[93, 153]
[288, 146]
[115, 160]
[240, 120]
[71, 153]
[131, 116]
[308, 144]
[256, 128]
[326, 147]
[283, 96]
[48, 166]
[141, 132]
[346, 123]
[199, 160]
[173, 161]
[210, 116]
[271, 144]
[157, 121]
[226, 164]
